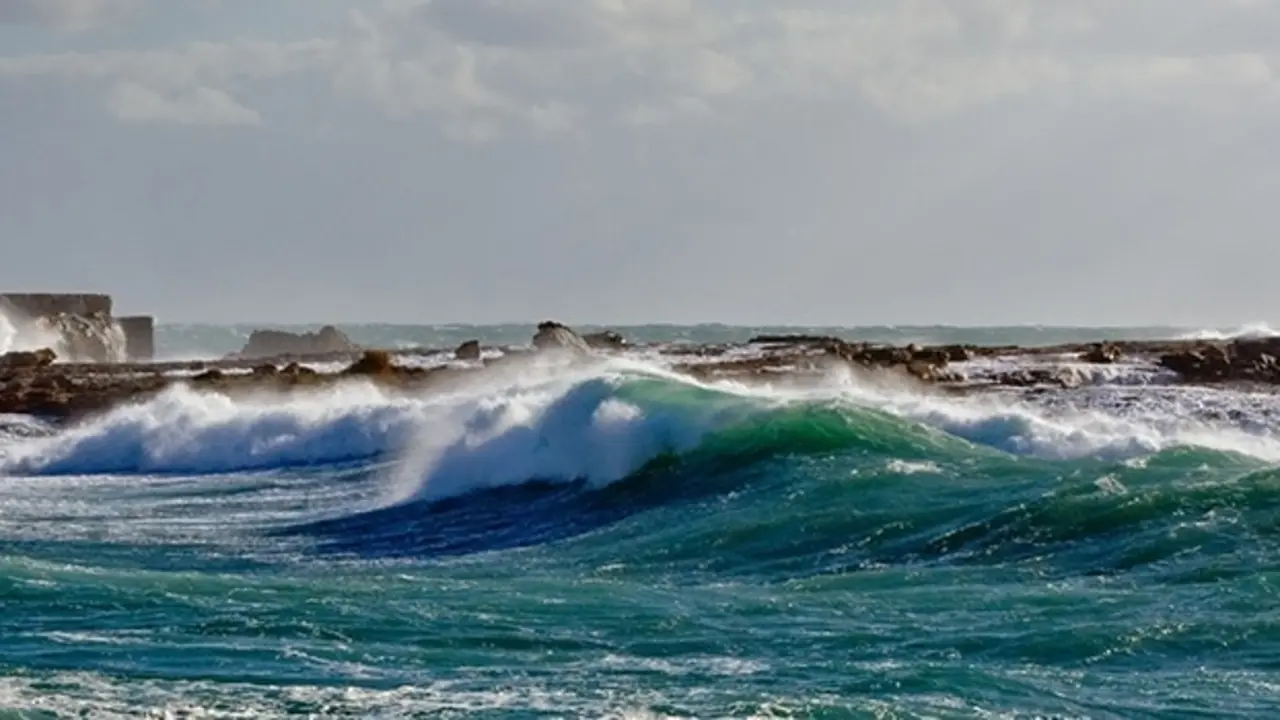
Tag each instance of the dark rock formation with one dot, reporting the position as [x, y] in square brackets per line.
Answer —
[38, 305]
[822, 340]
[139, 337]
[553, 335]
[278, 343]
[605, 340]
[1247, 360]
[294, 369]
[1103, 354]
[956, 353]
[373, 362]
[23, 359]
[469, 350]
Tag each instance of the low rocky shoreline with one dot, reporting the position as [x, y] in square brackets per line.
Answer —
[35, 383]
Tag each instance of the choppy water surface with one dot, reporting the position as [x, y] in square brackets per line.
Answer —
[617, 541]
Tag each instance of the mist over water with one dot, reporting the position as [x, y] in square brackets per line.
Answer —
[185, 341]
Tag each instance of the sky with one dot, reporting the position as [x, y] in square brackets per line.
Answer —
[1084, 162]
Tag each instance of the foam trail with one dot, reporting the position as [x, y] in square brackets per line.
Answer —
[185, 431]
[1020, 428]
[1244, 332]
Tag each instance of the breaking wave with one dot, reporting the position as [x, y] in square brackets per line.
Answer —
[597, 425]
[1243, 332]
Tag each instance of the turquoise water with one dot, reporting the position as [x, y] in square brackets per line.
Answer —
[616, 542]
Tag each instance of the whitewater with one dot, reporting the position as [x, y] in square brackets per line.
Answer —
[613, 539]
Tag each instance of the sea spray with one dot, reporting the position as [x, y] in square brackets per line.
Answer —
[597, 422]
[20, 333]
[845, 549]
[79, 338]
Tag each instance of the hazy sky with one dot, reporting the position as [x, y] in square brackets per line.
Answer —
[797, 161]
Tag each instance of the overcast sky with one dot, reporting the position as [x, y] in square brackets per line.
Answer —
[625, 161]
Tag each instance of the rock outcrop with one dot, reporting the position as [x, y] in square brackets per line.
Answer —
[278, 343]
[373, 362]
[1103, 354]
[605, 340]
[553, 335]
[24, 359]
[1248, 360]
[469, 350]
[38, 305]
[139, 337]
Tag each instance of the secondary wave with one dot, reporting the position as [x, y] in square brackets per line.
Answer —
[1243, 332]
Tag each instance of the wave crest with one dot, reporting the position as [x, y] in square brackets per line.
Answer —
[597, 425]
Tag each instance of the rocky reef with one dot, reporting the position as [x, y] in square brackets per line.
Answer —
[279, 343]
[31, 382]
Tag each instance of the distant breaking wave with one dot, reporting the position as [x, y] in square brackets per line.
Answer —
[1249, 330]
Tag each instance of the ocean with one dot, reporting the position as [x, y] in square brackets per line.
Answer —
[616, 540]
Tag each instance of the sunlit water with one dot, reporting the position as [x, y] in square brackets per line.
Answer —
[612, 541]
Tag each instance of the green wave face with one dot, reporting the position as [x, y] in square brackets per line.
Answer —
[655, 547]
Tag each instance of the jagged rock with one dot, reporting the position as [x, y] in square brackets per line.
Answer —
[373, 362]
[1251, 350]
[795, 340]
[955, 353]
[1034, 377]
[923, 370]
[605, 340]
[275, 343]
[1102, 354]
[265, 370]
[553, 335]
[1208, 363]
[22, 359]
[295, 369]
[469, 350]
[210, 375]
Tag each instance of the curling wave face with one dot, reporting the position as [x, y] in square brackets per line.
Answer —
[614, 539]
[599, 423]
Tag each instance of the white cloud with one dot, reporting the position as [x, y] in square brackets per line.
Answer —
[65, 14]
[203, 105]
[480, 68]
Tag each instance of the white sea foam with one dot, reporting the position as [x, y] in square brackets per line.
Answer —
[17, 333]
[1091, 428]
[551, 421]
[1248, 330]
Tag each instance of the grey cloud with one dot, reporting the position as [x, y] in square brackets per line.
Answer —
[810, 161]
[65, 14]
[132, 102]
